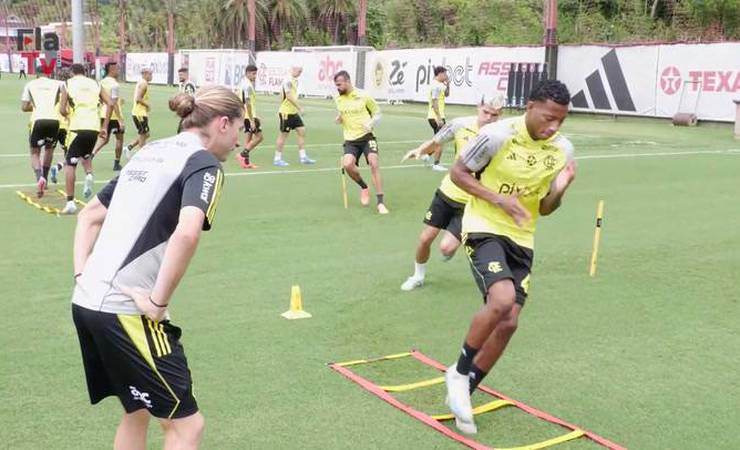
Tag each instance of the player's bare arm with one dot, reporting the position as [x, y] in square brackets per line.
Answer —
[426, 148]
[89, 222]
[560, 184]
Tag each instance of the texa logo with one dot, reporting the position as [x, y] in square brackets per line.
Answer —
[328, 68]
[670, 80]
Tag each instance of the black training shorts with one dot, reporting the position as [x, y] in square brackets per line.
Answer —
[445, 214]
[62, 139]
[494, 258]
[44, 132]
[80, 145]
[139, 361]
[290, 122]
[114, 126]
[435, 127]
[142, 124]
[359, 147]
[248, 126]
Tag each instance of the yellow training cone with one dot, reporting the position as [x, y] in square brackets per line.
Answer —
[296, 305]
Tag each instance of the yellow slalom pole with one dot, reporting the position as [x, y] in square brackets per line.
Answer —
[344, 184]
[597, 238]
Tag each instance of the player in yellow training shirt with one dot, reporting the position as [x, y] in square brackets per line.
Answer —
[252, 125]
[290, 119]
[358, 115]
[438, 92]
[515, 171]
[40, 97]
[140, 111]
[446, 210]
[79, 102]
[116, 125]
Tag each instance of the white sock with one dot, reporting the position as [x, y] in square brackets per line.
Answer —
[278, 155]
[420, 270]
[302, 153]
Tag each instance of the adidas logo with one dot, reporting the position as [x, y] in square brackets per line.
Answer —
[597, 91]
[511, 156]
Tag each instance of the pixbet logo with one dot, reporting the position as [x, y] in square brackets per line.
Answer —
[670, 80]
[328, 68]
[459, 74]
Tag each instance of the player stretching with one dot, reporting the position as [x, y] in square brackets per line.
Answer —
[80, 103]
[438, 92]
[252, 126]
[358, 115]
[290, 119]
[116, 125]
[140, 111]
[129, 257]
[515, 171]
[40, 97]
[446, 210]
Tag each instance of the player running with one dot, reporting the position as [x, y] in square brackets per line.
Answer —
[438, 92]
[252, 125]
[130, 256]
[358, 115]
[79, 102]
[446, 210]
[140, 111]
[116, 125]
[40, 97]
[515, 170]
[290, 119]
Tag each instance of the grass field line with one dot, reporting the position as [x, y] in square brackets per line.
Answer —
[411, 166]
[266, 146]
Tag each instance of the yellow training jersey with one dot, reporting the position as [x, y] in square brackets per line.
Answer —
[43, 93]
[509, 161]
[109, 85]
[138, 109]
[63, 120]
[460, 131]
[359, 111]
[84, 94]
[248, 96]
[437, 91]
[290, 87]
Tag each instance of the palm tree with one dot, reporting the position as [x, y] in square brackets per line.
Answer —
[334, 12]
[286, 15]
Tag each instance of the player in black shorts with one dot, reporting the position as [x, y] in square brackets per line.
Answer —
[116, 125]
[124, 284]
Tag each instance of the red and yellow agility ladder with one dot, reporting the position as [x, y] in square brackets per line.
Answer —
[435, 421]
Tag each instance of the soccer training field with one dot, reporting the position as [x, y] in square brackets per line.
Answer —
[644, 354]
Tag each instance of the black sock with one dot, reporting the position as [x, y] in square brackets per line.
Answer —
[436, 162]
[37, 172]
[116, 162]
[476, 376]
[380, 198]
[466, 359]
[362, 183]
[70, 198]
[45, 171]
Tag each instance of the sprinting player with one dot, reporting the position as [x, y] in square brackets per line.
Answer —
[79, 102]
[130, 257]
[186, 85]
[140, 111]
[446, 210]
[290, 119]
[358, 115]
[116, 125]
[515, 170]
[40, 97]
[252, 125]
[438, 92]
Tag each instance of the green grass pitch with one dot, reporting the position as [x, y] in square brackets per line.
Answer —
[645, 354]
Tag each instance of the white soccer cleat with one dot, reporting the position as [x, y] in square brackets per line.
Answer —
[127, 152]
[458, 400]
[412, 283]
[70, 208]
[87, 191]
[439, 168]
[382, 209]
[426, 159]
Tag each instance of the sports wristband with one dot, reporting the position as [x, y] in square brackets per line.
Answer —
[156, 304]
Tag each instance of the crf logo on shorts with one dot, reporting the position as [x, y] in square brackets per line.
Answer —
[141, 396]
[495, 267]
